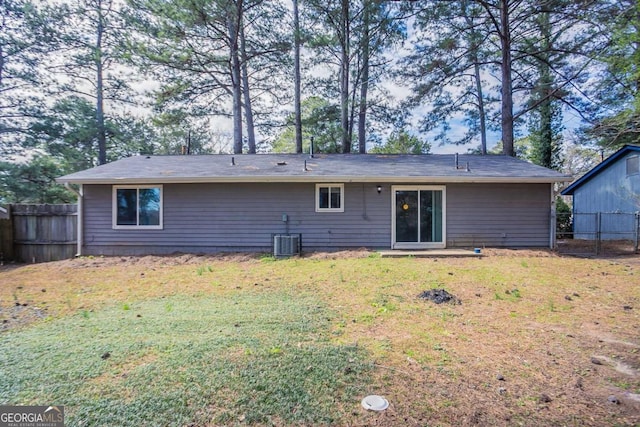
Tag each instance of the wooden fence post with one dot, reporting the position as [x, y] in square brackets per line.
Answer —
[6, 236]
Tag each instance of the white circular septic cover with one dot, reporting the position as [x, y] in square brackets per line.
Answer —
[375, 403]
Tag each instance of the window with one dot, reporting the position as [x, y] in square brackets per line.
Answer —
[633, 165]
[137, 207]
[329, 198]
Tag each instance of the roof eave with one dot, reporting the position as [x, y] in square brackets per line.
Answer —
[319, 179]
[598, 168]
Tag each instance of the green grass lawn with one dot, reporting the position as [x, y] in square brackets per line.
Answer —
[251, 357]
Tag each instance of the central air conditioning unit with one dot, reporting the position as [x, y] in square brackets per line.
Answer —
[285, 245]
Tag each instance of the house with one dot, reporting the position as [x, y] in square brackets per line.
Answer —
[606, 198]
[209, 203]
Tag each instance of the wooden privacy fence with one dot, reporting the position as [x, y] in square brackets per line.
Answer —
[38, 233]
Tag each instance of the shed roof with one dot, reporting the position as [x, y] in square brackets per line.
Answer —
[599, 168]
[432, 168]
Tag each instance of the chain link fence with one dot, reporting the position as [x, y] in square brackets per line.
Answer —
[600, 233]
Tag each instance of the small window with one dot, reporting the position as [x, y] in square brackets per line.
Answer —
[633, 165]
[137, 207]
[329, 198]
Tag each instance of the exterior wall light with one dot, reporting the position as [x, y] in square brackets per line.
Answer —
[379, 189]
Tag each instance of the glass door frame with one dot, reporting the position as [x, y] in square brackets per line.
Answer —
[418, 245]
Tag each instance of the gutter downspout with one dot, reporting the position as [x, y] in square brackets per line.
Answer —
[553, 221]
[80, 194]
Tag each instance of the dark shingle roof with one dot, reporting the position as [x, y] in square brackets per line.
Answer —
[433, 168]
[599, 168]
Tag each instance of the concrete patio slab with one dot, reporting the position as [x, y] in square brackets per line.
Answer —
[431, 253]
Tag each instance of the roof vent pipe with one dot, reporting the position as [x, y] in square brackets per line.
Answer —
[233, 161]
[468, 170]
[456, 160]
[311, 148]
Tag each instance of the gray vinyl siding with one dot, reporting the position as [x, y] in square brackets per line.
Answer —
[240, 217]
[202, 218]
[498, 215]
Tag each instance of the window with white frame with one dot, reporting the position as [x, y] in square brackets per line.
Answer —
[137, 206]
[329, 197]
[633, 165]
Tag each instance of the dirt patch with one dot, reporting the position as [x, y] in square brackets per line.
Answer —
[605, 248]
[182, 259]
[355, 253]
[20, 314]
[152, 260]
[519, 253]
[618, 365]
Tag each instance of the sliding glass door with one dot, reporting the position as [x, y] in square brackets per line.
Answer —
[418, 217]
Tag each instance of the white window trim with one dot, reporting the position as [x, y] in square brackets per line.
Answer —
[319, 209]
[114, 208]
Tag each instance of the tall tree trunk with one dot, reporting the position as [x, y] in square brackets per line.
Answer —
[474, 38]
[102, 134]
[1, 58]
[353, 106]
[236, 85]
[297, 101]
[546, 82]
[481, 113]
[546, 133]
[507, 90]
[248, 112]
[364, 87]
[344, 77]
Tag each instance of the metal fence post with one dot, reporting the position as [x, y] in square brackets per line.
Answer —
[554, 224]
[637, 231]
[598, 231]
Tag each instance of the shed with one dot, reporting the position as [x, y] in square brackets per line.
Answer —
[211, 203]
[606, 199]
